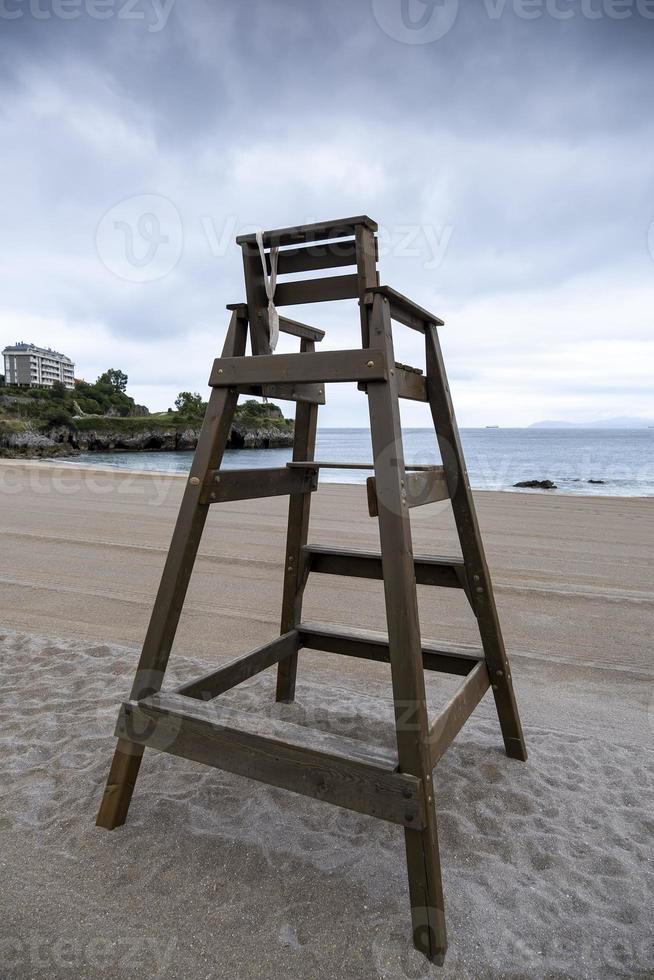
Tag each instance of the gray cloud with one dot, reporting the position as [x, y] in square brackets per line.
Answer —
[509, 165]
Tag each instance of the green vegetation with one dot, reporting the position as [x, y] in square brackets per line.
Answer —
[100, 416]
[190, 405]
[58, 405]
[253, 414]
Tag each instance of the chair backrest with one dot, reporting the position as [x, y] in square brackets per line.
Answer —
[307, 249]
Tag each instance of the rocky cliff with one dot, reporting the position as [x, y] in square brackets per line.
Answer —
[256, 426]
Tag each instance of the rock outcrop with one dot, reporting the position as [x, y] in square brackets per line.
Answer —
[537, 485]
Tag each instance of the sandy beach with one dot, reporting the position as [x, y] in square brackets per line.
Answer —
[547, 865]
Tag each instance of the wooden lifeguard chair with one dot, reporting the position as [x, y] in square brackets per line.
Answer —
[394, 786]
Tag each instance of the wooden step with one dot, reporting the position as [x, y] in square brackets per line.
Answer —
[430, 570]
[372, 645]
[333, 768]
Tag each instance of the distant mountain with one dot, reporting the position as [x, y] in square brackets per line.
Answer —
[619, 423]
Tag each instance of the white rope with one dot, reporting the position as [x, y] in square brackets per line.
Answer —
[270, 283]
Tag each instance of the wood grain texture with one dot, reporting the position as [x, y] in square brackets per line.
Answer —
[230, 675]
[429, 570]
[449, 722]
[299, 508]
[338, 228]
[477, 572]
[404, 310]
[225, 485]
[373, 645]
[327, 366]
[420, 488]
[328, 767]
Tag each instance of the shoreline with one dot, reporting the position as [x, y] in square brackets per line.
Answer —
[41, 464]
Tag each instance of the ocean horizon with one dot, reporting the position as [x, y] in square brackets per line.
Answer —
[497, 458]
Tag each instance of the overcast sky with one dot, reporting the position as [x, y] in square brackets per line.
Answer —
[506, 150]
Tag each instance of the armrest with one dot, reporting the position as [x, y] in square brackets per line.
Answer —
[405, 310]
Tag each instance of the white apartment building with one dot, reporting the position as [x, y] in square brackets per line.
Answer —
[37, 367]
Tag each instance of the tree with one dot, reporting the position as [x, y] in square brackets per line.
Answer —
[190, 404]
[58, 391]
[116, 378]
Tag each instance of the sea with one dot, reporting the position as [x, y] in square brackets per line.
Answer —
[497, 458]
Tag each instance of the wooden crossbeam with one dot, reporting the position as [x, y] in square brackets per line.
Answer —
[404, 310]
[328, 767]
[421, 488]
[301, 330]
[323, 464]
[456, 712]
[225, 485]
[371, 645]
[314, 394]
[313, 257]
[340, 228]
[236, 671]
[326, 366]
[411, 385]
[430, 570]
[324, 290]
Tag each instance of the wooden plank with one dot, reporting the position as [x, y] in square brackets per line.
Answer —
[420, 488]
[326, 366]
[405, 310]
[372, 645]
[230, 675]
[257, 302]
[456, 712]
[312, 393]
[327, 767]
[429, 570]
[313, 257]
[292, 327]
[411, 723]
[325, 290]
[411, 385]
[367, 275]
[225, 485]
[336, 465]
[174, 580]
[301, 330]
[477, 573]
[299, 506]
[338, 228]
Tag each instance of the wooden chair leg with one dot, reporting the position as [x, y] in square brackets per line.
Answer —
[174, 581]
[120, 785]
[405, 647]
[478, 575]
[304, 447]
